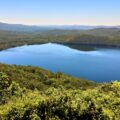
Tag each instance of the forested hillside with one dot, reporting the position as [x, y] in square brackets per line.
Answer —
[57, 97]
[99, 37]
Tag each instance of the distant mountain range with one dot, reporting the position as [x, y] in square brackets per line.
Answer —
[32, 28]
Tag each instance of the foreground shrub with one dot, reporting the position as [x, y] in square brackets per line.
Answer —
[100, 103]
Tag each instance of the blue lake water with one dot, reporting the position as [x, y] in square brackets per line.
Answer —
[100, 64]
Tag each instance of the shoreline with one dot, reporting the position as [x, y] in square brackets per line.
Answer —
[69, 44]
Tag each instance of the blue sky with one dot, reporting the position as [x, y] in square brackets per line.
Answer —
[60, 12]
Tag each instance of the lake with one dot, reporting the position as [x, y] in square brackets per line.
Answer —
[98, 64]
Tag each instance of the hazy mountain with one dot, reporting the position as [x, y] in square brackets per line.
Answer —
[28, 28]
[20, 28]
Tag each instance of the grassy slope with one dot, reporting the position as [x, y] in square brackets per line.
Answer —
[34, 77]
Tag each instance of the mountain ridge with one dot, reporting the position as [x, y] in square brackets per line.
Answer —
[37, 28]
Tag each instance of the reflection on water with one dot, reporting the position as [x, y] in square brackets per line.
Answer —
[82, 47]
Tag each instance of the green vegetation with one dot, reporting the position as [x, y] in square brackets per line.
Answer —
[62, 103]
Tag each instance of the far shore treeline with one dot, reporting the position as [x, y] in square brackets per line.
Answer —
[109, 37]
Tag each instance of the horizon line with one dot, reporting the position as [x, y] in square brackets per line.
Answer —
[60, 24]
